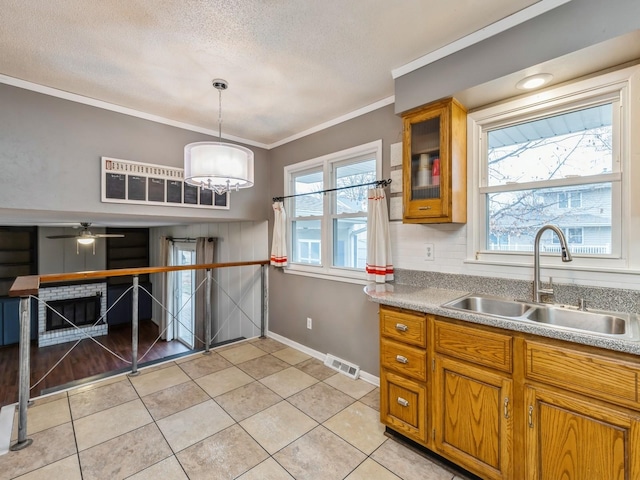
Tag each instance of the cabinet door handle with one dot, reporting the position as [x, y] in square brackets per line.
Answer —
[401, 327]
[403, 402]
[530, 416]
[424, 208]
[401, 359]
[506, 407]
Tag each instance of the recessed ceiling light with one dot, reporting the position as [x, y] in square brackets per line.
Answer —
[534, 81]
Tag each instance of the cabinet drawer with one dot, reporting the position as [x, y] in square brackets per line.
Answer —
[404, 327]
[490, 349]
[404, 359]
[403, 405]
[589, 373]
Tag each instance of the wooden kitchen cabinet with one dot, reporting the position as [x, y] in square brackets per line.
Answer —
[403, 372]
[434, 162]
[569, 436]
[472, 417]
[472, 397]
[583, 431]
[509, 405]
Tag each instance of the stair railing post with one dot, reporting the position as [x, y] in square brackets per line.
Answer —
[264, 317]
[24, 379]
[134, 327]
[207, 314]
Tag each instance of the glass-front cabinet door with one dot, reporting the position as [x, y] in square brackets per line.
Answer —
[434, 164]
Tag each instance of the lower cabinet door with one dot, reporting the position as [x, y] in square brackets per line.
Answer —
[403, 405]
[570, 437]
[473, 413]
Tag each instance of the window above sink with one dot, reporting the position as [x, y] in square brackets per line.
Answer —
[559, 156]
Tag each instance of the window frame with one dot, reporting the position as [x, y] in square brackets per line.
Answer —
[327, 164]
[580, 94]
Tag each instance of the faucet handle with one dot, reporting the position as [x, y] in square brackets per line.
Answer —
[582, 304]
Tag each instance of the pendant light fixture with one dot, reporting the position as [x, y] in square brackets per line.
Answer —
[218, 166]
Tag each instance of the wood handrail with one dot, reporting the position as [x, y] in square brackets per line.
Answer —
[30, 285]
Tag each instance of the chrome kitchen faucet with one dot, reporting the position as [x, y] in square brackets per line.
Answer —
[566, 257]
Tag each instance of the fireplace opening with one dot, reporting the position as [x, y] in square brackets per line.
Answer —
[79, 311]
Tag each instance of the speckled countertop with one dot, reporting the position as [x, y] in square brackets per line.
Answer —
[430, 300]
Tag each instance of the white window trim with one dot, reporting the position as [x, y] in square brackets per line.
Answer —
[622, 83]
[328, 272]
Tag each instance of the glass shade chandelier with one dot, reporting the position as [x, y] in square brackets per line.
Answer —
[218, 166]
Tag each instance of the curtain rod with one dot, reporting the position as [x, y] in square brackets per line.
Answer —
[377, 183]
[188, 239]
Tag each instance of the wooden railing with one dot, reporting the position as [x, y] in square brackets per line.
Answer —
[27, 286]
[30, 284]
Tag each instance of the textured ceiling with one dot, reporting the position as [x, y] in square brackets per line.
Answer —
[291, 65]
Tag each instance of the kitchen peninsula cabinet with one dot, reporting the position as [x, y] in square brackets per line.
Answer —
[434, 158]
[505, 404]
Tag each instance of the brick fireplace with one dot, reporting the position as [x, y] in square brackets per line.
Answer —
[79, 302]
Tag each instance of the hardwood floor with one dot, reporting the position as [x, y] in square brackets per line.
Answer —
[85, 360]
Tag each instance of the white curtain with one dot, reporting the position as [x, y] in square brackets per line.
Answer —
[205, 250]
[166, 288]
[279, 245]
[379, 264]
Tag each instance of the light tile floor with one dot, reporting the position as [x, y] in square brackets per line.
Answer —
[257, 410]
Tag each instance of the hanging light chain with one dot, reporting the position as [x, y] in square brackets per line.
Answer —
[220, 114]
[220, 85]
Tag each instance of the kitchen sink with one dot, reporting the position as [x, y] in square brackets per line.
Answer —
[579, 320]
[490, 306]
[595, 322]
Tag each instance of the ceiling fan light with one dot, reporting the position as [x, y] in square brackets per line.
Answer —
[85, 240]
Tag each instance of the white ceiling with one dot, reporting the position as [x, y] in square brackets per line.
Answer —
[291, 65]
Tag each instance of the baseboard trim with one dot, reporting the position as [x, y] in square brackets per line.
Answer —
[367, 377]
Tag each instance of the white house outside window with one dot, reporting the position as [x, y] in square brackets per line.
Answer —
[327, 233]
[552, 158]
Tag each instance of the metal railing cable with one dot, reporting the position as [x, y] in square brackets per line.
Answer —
[173, 317]
[27, 288]
[236, 306]
[82, 332]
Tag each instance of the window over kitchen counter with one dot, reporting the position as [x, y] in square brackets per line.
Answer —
[327, 232]
[559, 156]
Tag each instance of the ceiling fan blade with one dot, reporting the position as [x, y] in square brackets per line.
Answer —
[62, 236]
[107, 235]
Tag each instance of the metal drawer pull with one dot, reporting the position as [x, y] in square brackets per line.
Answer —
[506, 407]
[424, 208]
[530, 416]
[403, 402]
[401, 327]
[401, 359]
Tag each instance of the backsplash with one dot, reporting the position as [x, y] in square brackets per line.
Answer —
[613, 299]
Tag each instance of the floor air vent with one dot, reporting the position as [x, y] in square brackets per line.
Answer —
[342, 366]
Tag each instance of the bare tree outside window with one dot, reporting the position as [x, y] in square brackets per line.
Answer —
[540, 170]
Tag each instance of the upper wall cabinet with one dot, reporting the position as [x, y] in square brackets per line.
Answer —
[434, 163]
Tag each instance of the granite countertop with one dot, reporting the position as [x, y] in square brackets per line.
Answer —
[430, 300]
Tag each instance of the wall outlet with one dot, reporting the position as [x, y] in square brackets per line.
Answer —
[429, 253]
[309, 323]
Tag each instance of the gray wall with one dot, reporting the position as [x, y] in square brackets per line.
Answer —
[345, 323]
[565, 29]
[50, 151]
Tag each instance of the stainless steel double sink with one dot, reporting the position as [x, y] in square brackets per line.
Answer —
[595, 322]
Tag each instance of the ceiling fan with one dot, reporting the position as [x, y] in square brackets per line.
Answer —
[85, 237]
